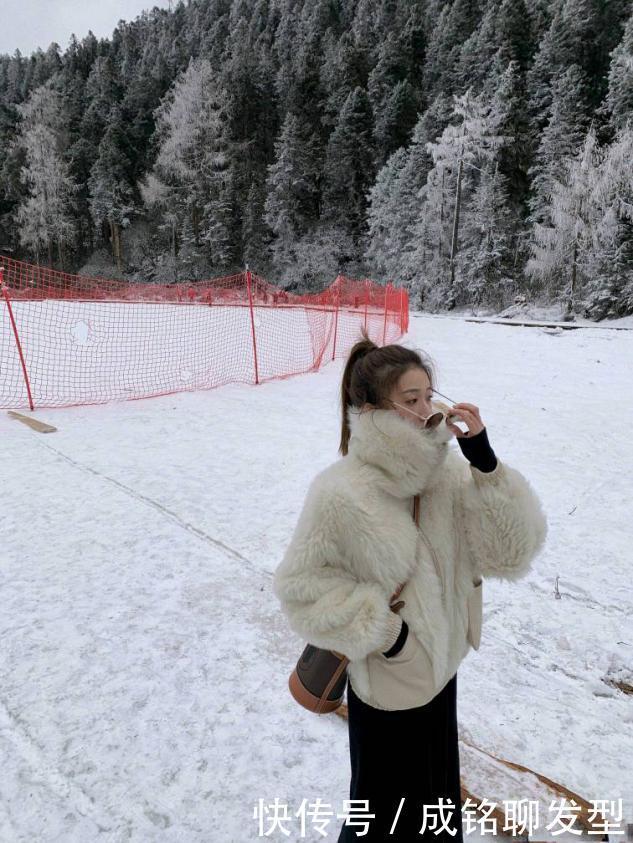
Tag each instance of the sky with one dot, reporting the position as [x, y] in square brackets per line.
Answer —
[29, 24]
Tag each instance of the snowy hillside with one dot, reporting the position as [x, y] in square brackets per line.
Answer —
[144, 660]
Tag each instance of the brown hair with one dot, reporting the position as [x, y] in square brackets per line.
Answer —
[371, 372]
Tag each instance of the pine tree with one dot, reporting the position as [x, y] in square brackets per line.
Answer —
[248, 80]
[487, 271]
[15, 84]
[395, 203]
[504, 87]
[290, 190]
[102, 91]
[396, 118]
[549, 61]
[540, 13]
[12, 160]
[385, 237]
[455, 24]
[193, 163]
[503, 36]
[344, 67]
[620, 94]
[581, 35]
[394, 101]
[257, 235]
[349, 170]
[428, 264]
[112, 191]
[562, 137]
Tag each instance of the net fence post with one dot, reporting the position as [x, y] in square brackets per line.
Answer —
[366, 300]
[5, 293]
[249, 285]
[384, 327]
[337, 286]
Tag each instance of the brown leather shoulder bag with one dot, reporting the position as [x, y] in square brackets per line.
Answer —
[318, 681]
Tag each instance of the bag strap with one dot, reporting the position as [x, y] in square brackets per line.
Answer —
[416, 517]
[416, 509]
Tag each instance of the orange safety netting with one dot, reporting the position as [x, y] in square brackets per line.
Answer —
[67, 340]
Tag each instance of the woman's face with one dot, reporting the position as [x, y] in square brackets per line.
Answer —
[413, 390]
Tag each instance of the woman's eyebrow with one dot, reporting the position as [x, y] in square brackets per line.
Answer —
[414, 389]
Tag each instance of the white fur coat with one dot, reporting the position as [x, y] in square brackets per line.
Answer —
[356, 540]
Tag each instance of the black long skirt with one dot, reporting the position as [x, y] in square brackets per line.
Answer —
[411, 753]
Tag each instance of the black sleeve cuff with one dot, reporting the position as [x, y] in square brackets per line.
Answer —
[398, 644]
[478, 451]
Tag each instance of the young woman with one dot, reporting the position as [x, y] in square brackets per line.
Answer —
[356, 542]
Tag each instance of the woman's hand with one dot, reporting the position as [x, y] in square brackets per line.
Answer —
[470, 416]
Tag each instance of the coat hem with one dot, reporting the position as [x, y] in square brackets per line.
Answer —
[372, 703]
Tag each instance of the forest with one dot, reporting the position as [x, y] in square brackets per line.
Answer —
[476, 152]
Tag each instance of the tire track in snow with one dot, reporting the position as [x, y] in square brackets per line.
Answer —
[59, 784]
[159, 507]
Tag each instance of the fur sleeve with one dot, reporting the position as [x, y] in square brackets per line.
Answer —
[323, 603]
[500, 521]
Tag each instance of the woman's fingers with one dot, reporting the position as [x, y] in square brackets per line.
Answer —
[470, 415]
[473, 409]
[460, 434]
[466, 415]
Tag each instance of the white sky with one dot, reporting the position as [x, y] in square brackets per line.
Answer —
[29, 24]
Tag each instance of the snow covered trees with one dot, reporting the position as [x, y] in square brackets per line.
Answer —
[462, 235]
[560, 246]
[440, 213]
[349, 169]
[45, 214]
[609, 288]
[561, 138]
[620, 93]
[394, 199]
[586, 250]
[309, 138]
[112, 189]
[191, 178]
[388, 236]
[291, 188]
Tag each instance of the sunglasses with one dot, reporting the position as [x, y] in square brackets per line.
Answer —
[435, 418]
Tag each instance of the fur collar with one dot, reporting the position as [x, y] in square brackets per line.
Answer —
[409, 458]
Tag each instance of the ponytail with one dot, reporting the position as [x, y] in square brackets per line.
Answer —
[370, 374]
[359, 350]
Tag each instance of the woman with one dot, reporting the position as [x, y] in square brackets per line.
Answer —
[356, 542]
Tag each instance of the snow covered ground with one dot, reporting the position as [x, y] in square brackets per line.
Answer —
[144, 660]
